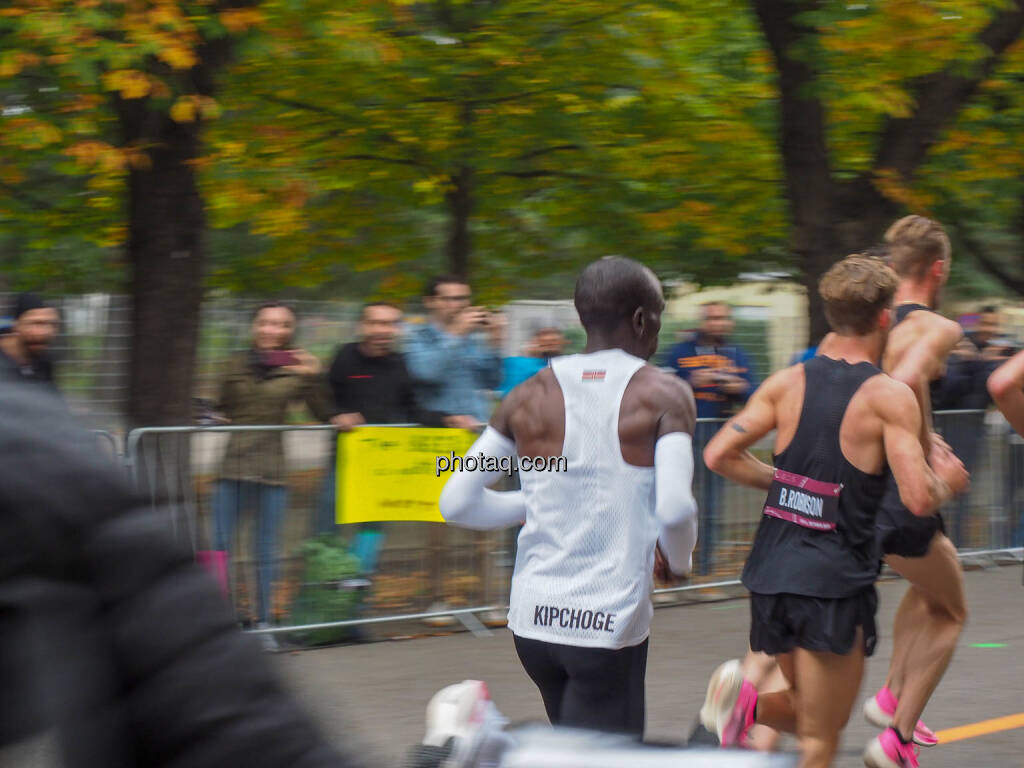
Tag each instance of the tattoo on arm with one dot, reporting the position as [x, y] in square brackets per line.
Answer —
[738, 427]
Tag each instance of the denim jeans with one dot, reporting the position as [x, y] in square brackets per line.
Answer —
[325, 518]
[368, 538]
[232, 497]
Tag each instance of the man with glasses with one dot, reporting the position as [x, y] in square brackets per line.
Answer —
[453, 358]
[456, 354]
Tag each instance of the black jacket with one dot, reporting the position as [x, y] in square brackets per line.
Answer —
[380, 388]
[109, 632]
[40, 371]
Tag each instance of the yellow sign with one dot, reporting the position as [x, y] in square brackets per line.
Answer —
[390, 473]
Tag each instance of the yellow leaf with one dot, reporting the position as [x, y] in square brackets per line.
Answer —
[131, 83]
[179, 57]
[184, 110]
[240, 19]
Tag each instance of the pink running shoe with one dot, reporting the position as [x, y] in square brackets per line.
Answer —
[879, 711]
[887, 751]
[729, 705]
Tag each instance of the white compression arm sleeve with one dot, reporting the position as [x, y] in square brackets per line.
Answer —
[675, 507]
[468, 502]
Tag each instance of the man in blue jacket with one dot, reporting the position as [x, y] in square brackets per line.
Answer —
[722, 378]
[456, 355]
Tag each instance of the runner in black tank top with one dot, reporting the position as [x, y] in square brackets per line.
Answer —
[899, 532]
[931, 615]
[813, 563]
[812, 587]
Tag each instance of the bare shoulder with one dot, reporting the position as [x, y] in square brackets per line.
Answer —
[541, 383]
[935, 325]
[782, 381]
[661, 384]
[889, 397]
[661, 392]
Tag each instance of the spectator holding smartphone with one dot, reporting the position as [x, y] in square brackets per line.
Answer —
[457, 354]
[453, 358]
[256, 389]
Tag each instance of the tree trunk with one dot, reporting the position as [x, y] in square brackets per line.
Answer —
[460, 210]
[855, 220]
[832, 219]
[165, 253]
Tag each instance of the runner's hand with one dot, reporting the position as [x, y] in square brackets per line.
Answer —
[949, 468]
[662, 572]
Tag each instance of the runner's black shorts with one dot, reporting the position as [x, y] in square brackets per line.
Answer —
[784, 622]
[899, 531]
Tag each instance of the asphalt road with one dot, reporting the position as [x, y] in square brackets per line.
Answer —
[377, 693]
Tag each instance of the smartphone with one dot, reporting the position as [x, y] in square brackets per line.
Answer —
[278, 358]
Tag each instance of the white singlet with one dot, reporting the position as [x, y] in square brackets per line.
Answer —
[583, 572]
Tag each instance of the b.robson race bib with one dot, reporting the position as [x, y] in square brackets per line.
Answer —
[803, 501]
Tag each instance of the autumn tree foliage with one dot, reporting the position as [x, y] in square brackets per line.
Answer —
[353, 146]
[123, 90]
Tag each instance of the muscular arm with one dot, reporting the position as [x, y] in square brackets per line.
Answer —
[1006, 385]
[922, 362]
[921, 490]
[728, 453]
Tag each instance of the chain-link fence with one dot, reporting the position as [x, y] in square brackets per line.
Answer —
[92, 349]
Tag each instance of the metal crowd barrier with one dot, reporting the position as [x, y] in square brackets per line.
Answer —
[438, 575]
[108, 443]
[426, 571]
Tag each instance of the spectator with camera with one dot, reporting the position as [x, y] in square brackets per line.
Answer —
[257, 388]
[722, 379]
[455, 357]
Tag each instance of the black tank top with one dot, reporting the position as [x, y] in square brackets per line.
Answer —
[902, 310]
[807, 544]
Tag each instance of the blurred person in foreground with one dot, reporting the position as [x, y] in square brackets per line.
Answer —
[24, 349]
[840, 426]
[111, 637]
[456, 355]
[257, 388]
[547, 342]
[368, 383]
[722, 378]
[609, 490]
